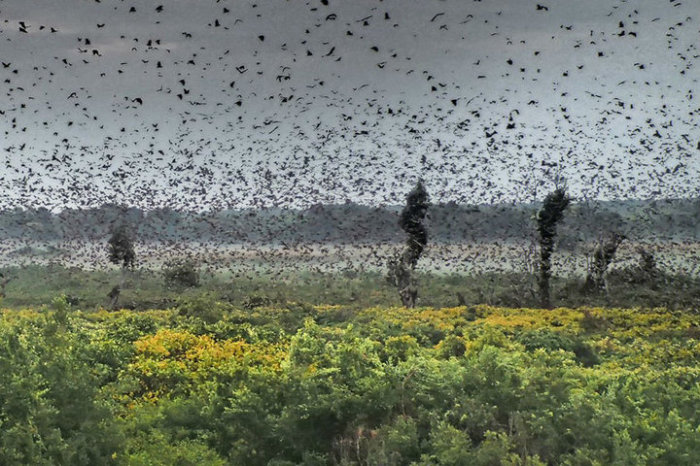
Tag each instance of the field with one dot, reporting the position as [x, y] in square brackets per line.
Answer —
[461, 257]
[209, 383]
[282, 354]
[37, 285]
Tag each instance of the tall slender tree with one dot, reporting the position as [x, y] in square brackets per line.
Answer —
[121, 252]
[402, 268]
[603, 255]
[548, 217]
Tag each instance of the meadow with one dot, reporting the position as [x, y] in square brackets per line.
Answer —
[273, 361]
[37, 285]
[208, 382]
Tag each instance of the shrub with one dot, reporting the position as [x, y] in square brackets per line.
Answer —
[180, 275]
[552, 341]
[131, 327]
[591, 322]
[204, 307]
[450, 346]
[251, 302]
[400, 348]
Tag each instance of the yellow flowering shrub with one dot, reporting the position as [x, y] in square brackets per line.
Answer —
[103, 315]
[11, 315]
[172, 360]
[460, 385]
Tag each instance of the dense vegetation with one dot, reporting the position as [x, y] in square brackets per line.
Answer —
[303, 367]
[207, 382]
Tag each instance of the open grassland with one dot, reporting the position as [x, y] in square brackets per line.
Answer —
[146, 289]
[210, 383]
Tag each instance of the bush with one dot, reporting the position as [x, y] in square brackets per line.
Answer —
[147, 388]
[204, 307]
[552, 341]
[400, 348]
[451, 346]
[251, 302]
[178, 275]
[131, 327]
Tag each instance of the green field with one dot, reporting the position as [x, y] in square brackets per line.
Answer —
[37, 285]
[208, 382]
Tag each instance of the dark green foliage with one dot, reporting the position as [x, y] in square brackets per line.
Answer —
[647, 262]
[552, 340]
[50, 404]
[625, 287]
[451, 346]
[131, 327]
[548, 217]
[3, 283]
[204, 307]
[592, 323]
[121, 252]
[411, 221]
[376, 389]
[401, 268]
[647, 271]
[253, 301]
[652, 285]
[651, 218]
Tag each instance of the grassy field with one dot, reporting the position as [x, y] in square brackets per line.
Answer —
[37, 285]
[323, 368]
[210, 383]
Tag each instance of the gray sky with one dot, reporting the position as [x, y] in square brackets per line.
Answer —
[239, 103]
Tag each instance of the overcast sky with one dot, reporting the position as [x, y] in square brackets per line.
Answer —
[209, 104]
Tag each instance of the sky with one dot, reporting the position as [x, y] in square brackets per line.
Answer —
[206, 104]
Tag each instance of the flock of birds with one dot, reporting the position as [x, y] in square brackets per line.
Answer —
[207, 106]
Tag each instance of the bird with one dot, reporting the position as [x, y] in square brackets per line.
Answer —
[342, 102]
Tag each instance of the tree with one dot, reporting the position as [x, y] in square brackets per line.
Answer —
[401, 268]
[181, 274]
[121, 252]
[548, 218]
[603, 255]
[121, 247]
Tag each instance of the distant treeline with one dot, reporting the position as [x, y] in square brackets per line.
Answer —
[670, 220]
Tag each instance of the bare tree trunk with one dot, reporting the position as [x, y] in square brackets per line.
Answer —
[401, 276]
[114, 297]
[603, 255]
[409, 295]
[2, 286]
[116, 291]
[545, 272]
[122, 278]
